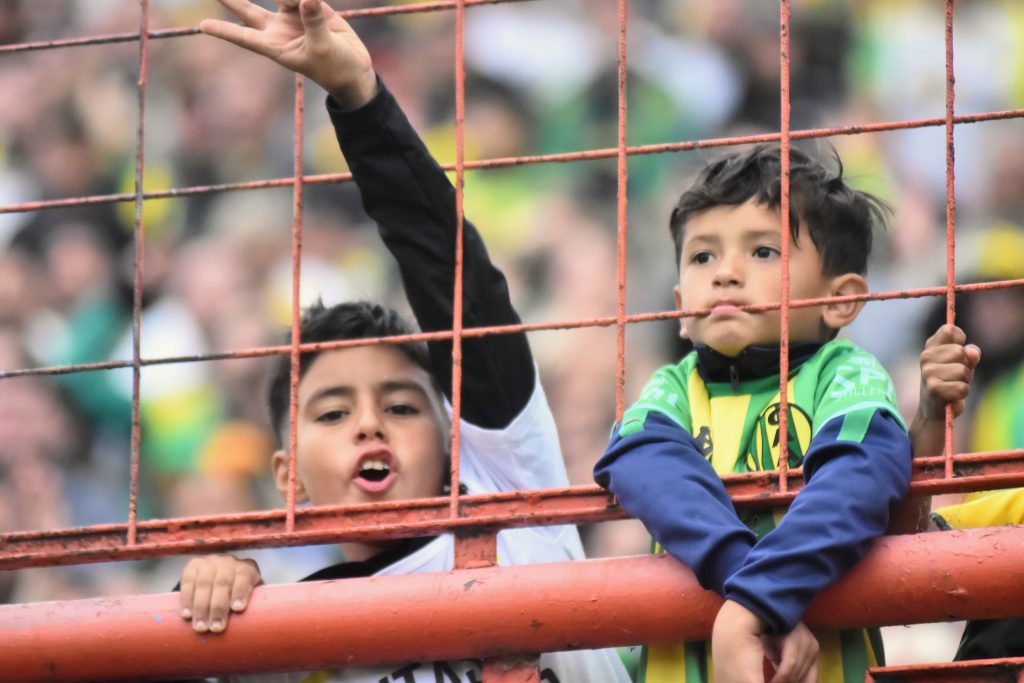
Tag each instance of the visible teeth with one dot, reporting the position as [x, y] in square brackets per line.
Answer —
[374, 470]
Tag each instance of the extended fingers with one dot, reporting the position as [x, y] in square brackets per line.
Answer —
[242, 36]
[247, 12]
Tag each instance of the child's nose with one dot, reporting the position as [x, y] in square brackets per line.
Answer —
[729, 271]
[370, 426]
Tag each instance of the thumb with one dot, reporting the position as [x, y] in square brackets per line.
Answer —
[973, 354]
[312, 13]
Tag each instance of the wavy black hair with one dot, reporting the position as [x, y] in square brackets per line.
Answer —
[840, 220]
[351, 320]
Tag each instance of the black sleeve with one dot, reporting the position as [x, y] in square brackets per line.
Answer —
[409, 196]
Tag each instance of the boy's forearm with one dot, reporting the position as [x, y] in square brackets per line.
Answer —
[659, 477]
[844, 506]
[927, 436]
[409, 196]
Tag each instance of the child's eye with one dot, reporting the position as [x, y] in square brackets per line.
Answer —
[765, 252]
[332, 415]
[701, 257]
[403, 409]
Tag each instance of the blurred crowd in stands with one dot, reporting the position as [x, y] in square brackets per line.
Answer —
[540, 79]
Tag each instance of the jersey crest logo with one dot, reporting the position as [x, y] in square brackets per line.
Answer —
[704, 443]
[763, 448]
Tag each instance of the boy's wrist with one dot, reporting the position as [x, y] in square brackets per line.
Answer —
[355, 93]
[925, 420]
[737, 617]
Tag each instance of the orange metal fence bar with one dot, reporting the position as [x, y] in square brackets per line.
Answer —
[504, 162]
[785, 138]
[905, 566]
[491, 612]
[403, 519]
[138, 234]
[947, 448]
[605, 321]
[980, 671]
[296, 313]
[621, 219]
[457, 300]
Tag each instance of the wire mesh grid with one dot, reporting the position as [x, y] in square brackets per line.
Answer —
[952, 472]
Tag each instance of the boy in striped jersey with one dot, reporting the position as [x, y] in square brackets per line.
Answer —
[716, 412]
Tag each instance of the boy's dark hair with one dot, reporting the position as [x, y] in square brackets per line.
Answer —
[351, 320]
[838, 218]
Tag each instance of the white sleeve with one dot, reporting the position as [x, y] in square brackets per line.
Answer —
[524, 455]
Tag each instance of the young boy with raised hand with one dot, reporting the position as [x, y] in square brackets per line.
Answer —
[716, 412]
[373, 421]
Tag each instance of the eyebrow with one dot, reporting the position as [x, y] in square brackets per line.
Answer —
[392, 386]
[710, 238]
[763, 233]
[385, 387]
[752, 235]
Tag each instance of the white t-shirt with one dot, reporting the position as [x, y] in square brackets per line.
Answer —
[524, 455]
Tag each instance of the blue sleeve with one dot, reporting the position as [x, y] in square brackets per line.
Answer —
[660, 477]
[844, 505]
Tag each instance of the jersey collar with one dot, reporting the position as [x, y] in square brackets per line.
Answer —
[753, 362]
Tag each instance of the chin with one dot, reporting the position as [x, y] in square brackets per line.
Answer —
[730, 349]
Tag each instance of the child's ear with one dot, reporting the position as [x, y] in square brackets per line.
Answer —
[838, 315]
[677, 294]
[280, 465]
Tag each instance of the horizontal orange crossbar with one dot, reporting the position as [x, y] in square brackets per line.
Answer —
[490, 612]
[405, 519]
[981, 671]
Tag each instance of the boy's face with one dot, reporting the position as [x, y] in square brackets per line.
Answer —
[731, 257]
[370, 428]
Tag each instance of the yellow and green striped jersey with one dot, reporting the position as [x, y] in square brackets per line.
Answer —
[736, 427]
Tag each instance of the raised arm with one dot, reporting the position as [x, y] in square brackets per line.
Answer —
[409, 196]
[406, 193]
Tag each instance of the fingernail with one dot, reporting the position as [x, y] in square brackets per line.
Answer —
[186, 613]
[199, 625]
[216, 625]
[238, 605]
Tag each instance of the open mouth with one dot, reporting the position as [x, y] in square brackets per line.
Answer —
[374, 471]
